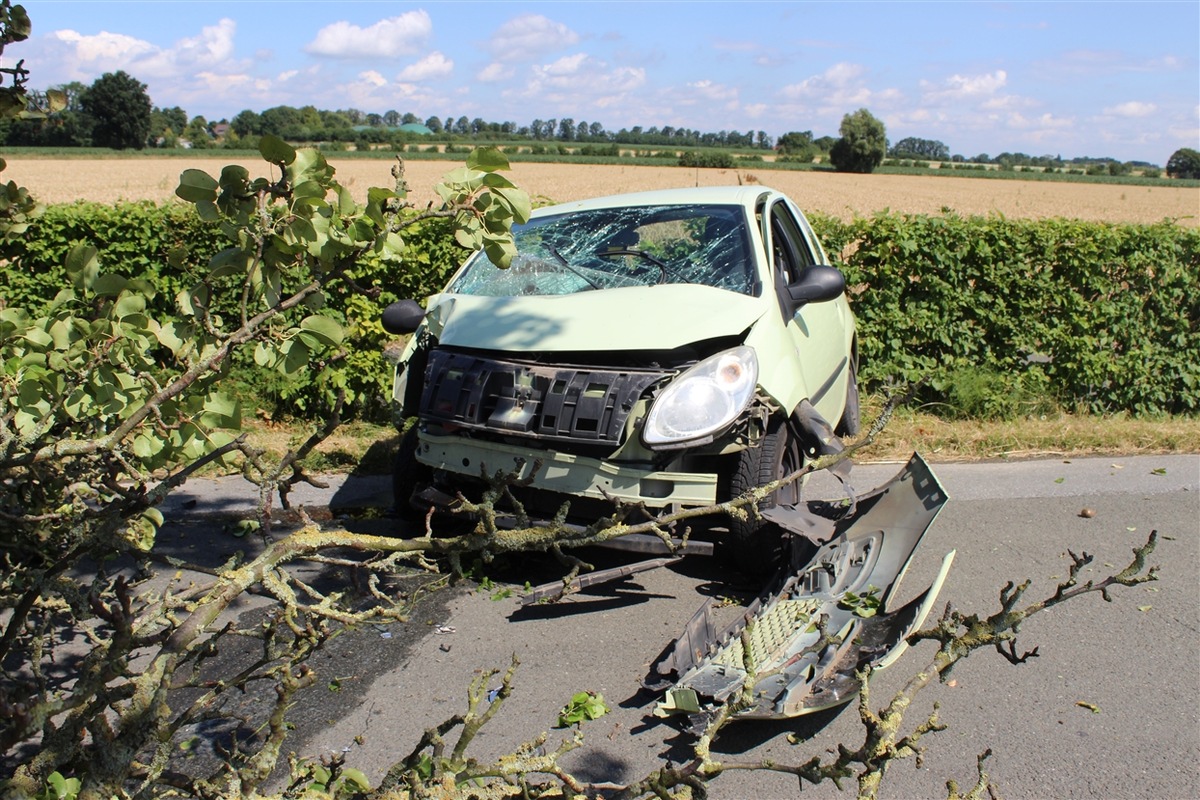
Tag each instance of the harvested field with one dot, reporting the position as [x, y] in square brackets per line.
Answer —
[149, 178]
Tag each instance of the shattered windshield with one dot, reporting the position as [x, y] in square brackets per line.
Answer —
[615, 247]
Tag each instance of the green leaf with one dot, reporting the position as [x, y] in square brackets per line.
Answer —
[324, 328]
[583, 706]
[235, 178]
[56, 100]
[109, 285]
[82, 266]
[222, 412]
[196, 186]
[276, 150]
[295, 357]
[357, 778]
[487, 159]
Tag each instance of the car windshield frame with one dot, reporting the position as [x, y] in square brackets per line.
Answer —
[610, 248]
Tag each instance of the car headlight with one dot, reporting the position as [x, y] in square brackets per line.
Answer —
[704, 399]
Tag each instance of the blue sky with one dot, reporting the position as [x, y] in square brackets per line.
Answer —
[1118, 79]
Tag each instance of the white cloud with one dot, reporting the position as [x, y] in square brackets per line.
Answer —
[494, 73]
[837, 77]
[964, 88]
[712, 95]
[565, 66]
[1133, 109]
[116, 49]
[528, 37]
[389, 38]
[434, 65]
[214, 44]
[577, 82]
[841, 86]
[372, 78]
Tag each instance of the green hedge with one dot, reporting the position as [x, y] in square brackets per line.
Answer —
[142, 240]
[995, 312]
[1091, 313]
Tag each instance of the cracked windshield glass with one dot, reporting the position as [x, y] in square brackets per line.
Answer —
[614, 248]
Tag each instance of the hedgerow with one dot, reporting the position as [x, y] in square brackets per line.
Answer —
[1000, 315]
[1093, 314]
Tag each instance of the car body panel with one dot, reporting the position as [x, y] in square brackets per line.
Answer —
[629, 318]
[811, 633]
[568, 473]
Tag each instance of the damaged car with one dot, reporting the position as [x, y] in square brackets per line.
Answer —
[661, 350]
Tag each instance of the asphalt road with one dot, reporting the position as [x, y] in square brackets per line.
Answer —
[1134, 663]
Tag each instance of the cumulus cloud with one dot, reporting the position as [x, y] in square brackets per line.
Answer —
[372, 78]
[112, 48]
[529, 37]
[836, 91]
[579, 81]
[713, 95]
[434, 65]
[840, 79]
[214, 44]
[389, 38]
[1132, 109]
[960, 88]
[495, 72]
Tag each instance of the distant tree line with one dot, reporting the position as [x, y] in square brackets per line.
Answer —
[115, 111]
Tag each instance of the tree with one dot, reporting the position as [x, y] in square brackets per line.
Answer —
[863, 144]
[197, 133]
[120, 106]
[1184, 163]
[913, 147]
[247, 123]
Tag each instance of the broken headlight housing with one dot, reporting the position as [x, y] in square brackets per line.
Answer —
[703, 400]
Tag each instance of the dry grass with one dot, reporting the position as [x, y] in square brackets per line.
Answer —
[368, 448]
[151, 178]
[1059, 436]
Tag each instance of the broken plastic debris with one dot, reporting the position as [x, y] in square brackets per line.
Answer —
[445, 629]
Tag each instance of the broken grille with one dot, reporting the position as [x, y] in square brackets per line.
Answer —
[511, 397]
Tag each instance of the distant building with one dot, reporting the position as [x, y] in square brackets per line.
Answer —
[416, 127]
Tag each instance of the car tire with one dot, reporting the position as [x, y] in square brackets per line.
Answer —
[756, 545]
[407, 475]
[851, 422]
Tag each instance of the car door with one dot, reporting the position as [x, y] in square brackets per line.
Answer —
[819, 332]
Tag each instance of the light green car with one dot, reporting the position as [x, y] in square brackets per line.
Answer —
[662, 350]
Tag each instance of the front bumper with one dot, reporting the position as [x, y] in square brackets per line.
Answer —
[567, 474]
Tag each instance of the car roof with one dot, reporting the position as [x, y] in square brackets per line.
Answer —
[746, 196]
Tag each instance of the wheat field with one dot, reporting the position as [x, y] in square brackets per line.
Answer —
[64, 180]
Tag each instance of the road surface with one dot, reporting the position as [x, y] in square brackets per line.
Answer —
[1110, 708]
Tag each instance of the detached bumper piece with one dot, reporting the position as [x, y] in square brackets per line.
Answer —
[797, 648]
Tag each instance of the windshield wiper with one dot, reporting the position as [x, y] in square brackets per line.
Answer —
[554, 252]
[625, 251]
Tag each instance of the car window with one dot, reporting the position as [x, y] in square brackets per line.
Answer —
[789, 247]
[612, 248]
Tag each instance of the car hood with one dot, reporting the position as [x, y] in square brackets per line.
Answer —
[630, 318]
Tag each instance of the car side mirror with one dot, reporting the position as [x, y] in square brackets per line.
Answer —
[818, 283]
[402, 316]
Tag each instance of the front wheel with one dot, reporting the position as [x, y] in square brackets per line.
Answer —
[756, 545]
[408, 474]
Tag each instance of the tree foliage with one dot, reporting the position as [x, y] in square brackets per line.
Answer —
[914, 147]
[120, 107]
[862, 145]
[1184, 163]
